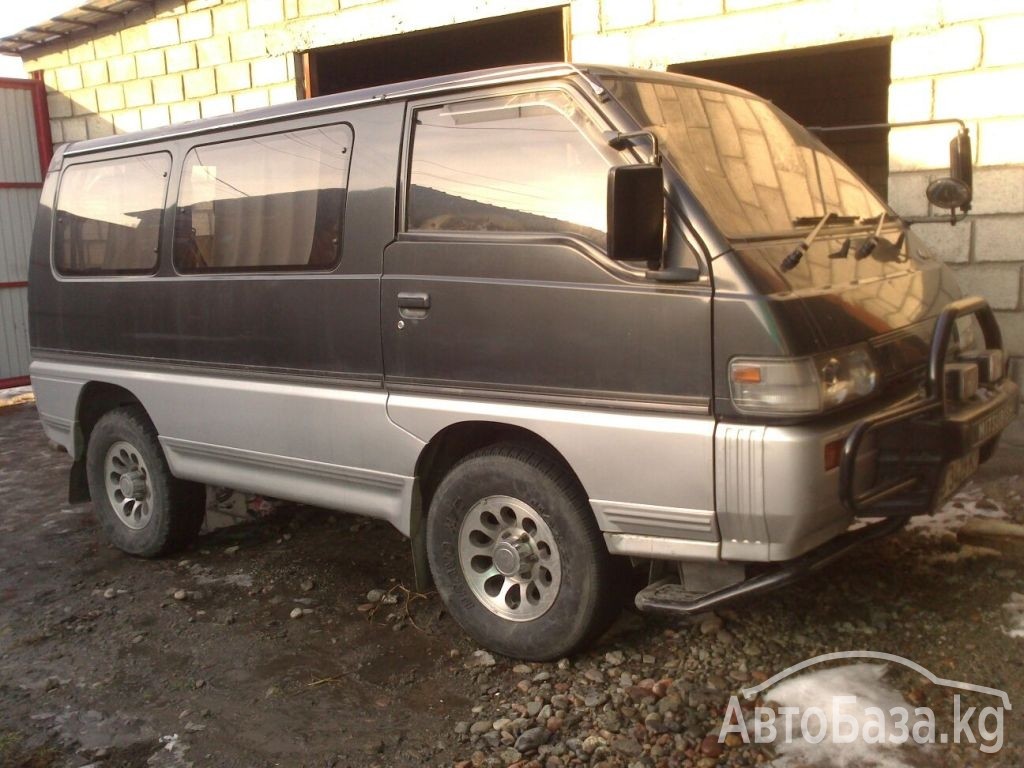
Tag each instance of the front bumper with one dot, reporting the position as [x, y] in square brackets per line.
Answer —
[896, 462]
[925, 447]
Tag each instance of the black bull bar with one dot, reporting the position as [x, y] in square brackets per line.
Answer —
[918, 440]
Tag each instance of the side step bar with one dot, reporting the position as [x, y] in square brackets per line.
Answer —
[666, 596]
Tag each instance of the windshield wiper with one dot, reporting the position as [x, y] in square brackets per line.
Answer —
[797, 253]
[871, 241]
[810, 221]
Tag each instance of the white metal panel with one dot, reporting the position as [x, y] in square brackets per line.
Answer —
[19, 147]
[19, 164]
[14, 359]
[17, 215]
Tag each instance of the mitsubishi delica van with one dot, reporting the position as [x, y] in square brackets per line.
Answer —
[560, 325]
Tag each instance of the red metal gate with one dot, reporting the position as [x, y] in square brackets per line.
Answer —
[25, 151]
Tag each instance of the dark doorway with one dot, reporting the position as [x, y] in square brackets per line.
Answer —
[516, 39]
[829, 85]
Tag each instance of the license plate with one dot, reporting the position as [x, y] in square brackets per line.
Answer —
[994, 423]
[957, 473]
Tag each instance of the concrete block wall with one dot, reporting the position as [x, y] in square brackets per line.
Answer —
[969, 69]
[185, 59]
[180, 60]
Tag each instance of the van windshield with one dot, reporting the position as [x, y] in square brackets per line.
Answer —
[756, 171]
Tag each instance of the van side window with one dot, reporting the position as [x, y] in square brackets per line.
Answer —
[523, 163]
[272, 202]
[109, 214]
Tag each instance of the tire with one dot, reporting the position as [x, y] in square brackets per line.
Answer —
[161, 514]
[517, 556]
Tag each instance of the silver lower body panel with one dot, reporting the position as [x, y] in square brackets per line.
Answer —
[675, 487]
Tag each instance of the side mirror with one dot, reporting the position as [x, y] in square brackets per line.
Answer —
[956, 190]
[961, 166]
[636, 214]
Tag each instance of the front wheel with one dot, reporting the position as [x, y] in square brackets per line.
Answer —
[517, 556]
[142, 508]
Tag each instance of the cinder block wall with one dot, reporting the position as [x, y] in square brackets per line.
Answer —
[972, 68]
[186, 59]
[175, 62]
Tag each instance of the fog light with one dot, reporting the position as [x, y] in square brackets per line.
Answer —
[990, 364]
[961, 381]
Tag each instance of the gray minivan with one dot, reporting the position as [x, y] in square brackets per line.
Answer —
[560, 325]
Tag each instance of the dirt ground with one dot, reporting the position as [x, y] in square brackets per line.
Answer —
[197, 660]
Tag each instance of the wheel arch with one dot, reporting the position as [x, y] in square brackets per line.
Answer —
[95, 399]
[456, 441]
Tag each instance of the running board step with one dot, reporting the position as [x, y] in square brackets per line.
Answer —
[666, 596]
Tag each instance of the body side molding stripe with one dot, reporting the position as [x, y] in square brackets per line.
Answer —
[570, 398]
[274, 462]
[199, 368]
[660, 548]
[647, 519]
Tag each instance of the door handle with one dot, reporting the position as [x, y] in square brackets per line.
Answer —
[413, 300]
[413, 305]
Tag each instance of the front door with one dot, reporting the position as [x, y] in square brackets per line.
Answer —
[497, 285]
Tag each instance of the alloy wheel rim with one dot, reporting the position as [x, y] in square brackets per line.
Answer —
[128, 486]
[509, 558]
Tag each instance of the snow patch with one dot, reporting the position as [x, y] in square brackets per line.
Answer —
[16, 396]
[969, 502]
[1015, 615]
[819, 689]
[965, 552]
[171, 754]
[239, 579]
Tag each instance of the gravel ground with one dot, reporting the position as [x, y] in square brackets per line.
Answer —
[294, 641]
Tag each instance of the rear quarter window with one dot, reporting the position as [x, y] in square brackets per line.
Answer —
[109, 214]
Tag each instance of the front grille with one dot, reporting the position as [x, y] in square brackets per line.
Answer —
[902, 358]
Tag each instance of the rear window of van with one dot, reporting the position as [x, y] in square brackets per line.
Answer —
[109, 214]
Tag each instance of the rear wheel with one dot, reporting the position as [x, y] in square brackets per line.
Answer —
[517, 556]
[142, 509]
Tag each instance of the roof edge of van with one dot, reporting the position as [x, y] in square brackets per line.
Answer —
[376, 94]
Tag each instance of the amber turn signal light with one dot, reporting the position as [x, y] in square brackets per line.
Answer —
[746, 374]
[833, 453]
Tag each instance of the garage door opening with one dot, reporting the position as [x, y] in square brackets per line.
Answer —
[829, 85]
[523, 38]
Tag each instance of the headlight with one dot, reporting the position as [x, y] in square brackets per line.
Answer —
[803, 385]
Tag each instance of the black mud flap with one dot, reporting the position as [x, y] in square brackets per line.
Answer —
[424, 582]
[78, 483]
